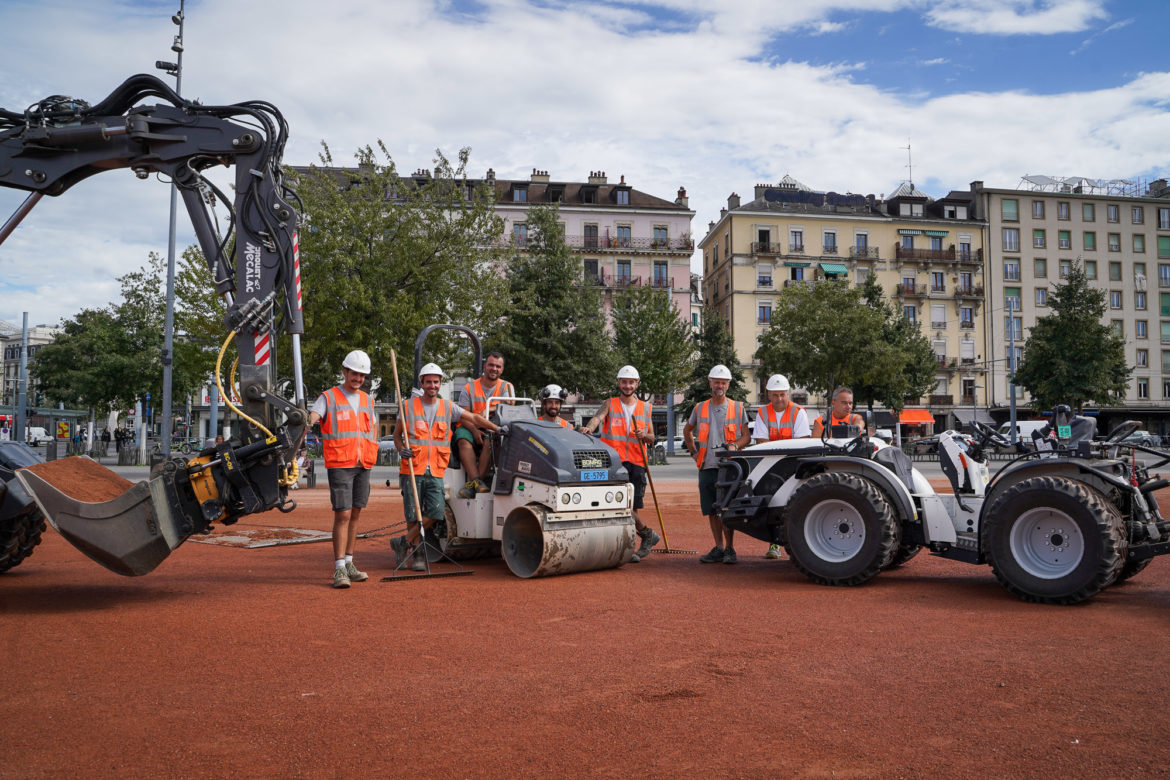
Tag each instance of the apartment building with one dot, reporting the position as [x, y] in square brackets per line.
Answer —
[927, 255]
[1120, 233]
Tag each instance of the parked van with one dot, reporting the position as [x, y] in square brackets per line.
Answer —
[1024, 429]
[35, 435]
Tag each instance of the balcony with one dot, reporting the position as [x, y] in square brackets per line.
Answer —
[901, 253]
[764, 282]
[968, 292]
[608, 281]
[766, 248]
[938, 325]
[966, 325]
[973, 257]
[942, 400]
[967, 400]
[908, 290]
[830, 250]
[629, 245]
[864, 252]
[661, 283]
[795, 282]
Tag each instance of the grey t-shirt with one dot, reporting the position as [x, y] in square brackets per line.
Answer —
[320, 407]
[717, 419]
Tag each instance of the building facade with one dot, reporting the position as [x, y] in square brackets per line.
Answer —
[1119, 232]
[927, 255]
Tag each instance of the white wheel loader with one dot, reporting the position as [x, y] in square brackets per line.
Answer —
[1066, 518]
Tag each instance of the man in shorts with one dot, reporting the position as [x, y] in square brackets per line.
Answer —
[473, 456]
[718, 421]
[428, 420]
[350, 447]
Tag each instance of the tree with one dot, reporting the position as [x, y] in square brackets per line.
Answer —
[554, 330]
[714, 345]
[1069, 356]
[649, 334]
[910, 373]
[383, 256]
[199, 319]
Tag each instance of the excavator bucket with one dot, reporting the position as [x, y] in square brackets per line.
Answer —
[128, 528]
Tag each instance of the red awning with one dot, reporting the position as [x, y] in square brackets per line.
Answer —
[916, 417]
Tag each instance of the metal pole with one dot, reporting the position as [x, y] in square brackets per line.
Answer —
[18, 215]
[1012, 367]
[169, 325]
[22, 384]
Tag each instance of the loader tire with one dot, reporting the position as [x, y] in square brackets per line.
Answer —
[1053, 540]
[904, 553]
[1132, 568]
[18, 536]
[841, 529]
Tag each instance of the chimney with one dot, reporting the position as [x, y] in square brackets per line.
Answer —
[710, 226]
[732, 202]
[682, 199]
[1157, 188]
[761, 189]
[490, 176]
[597, 177]
[541, 176]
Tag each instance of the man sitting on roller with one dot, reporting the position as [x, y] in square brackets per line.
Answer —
[473, 456]
[551, 397]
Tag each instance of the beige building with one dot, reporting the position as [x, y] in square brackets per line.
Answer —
[927, 255]
[1120, 233]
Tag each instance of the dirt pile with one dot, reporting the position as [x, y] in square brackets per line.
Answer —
[82, 479]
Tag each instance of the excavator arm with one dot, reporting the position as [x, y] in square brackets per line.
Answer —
[254, 267]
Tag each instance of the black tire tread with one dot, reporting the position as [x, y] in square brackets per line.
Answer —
[18, 536]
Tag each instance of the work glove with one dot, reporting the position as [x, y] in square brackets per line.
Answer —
[503, 430]
[406, 453]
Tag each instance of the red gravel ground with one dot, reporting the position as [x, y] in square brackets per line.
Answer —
[238, 662]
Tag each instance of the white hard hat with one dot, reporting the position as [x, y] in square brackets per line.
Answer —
[628, 372]
[556, 392]
[357, 361]
[720, 371]
[777, 382]
[430, 368]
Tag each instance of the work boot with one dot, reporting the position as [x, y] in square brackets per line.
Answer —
[340, 578]
[649, 539]
[400, 548]
[420, 560]
[469, 489]
[774, 552]
[354, 575]
[715, 556]
[729, 555]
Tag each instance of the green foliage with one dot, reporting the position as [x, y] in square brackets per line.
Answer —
[383, 256]
[907, 370]
[1069, 356]
[648, 333]
[714, 345]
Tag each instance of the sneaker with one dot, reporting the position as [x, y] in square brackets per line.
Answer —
[354, 575]
[483, 485]
[340, 578]
[398, 545]
[470, 489]
[715, 556]
[774, 552]
[649, 539]
[729, 555]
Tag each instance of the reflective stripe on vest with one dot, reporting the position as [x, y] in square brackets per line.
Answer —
[853, 419]
[431, 443]
[782, 428]
[559, 420]
[730, 429]
[614, 433]
[347, 435]
[479, 396]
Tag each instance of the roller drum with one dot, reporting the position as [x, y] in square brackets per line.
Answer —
[535, 547]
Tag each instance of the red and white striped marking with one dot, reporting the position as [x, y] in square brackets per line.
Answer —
[263, 348]
[297, 267]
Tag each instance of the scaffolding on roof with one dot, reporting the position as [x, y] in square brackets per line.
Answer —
[1080, 185]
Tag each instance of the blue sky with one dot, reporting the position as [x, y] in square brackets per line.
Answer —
[713, 97]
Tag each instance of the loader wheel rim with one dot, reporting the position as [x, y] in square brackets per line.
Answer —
[1047, 543]
[834, 530]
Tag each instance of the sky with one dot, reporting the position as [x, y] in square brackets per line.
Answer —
[714, 97]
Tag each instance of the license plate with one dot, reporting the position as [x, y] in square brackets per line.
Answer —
[594, 476]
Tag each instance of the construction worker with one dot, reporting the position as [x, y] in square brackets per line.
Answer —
[350, 447]
[780, 420]
[625, 423]
[720, 422]
[551, 397]
[841, 411]
[473, 456]
[429, 421]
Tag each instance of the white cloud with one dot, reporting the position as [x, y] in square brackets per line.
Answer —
[1016, 17]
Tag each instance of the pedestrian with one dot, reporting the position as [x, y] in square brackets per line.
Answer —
[551, 397]
[780, 420]
[840, 413]
[720, 422]
[625, 423]
[429, 420]
[473, 456]
[106, 440]
[348, 426]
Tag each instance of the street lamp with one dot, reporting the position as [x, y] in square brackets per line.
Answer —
[175, 70]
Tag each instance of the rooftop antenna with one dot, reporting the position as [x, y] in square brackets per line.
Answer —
[909, 161]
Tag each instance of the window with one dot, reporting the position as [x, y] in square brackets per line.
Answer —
[938, 315]
[1062, 210]
[662, 241]
[1088, 212]
[965, 279]
[591, 240]
[907, 242]
[938, 281]
[1112, 213]
[1164, 304]
[1139, 270]
[1137, 215]
[520, 234]
[1011, 239]
[1115, 299]
[796, 240]
[1064, 239]
[830, 242]
[1038, 240]
[662, 274]
[1166, 388]
[1040, 268]
[623, 236]
[1041, 296]
[591, 271]
[622, 197]
[1114, 242]
[1115, 271]
[764, 276]
[796, 273]
[764, 313]
[1163, 246]
[968, 386]
[1143, 358]
[623, 272]
[910, 313]
[1010, 210]
[1037, 209]
[1011, 270]
[1118, 327]
[1139, 329]
[519, 194]
[1163, 219]
[907, 284]
[964, 250]
[1090, 241]
[1163, 275]
[862, 276]
[936, 243]
[1091, 269]
[1065, 266]
[1143, 388]
[1166, 332]
[1013, 328]
[861, 241]
[967, 317]
[1139, 243]
[1139, 300]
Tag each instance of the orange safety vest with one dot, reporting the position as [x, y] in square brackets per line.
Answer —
[853, 419]
[432, 441]
[614, 433]
[560, 421]
[347, 437]
[730, 429]
[780, 429]
[479, 396]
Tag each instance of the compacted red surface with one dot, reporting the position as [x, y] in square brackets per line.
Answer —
[245, 662]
